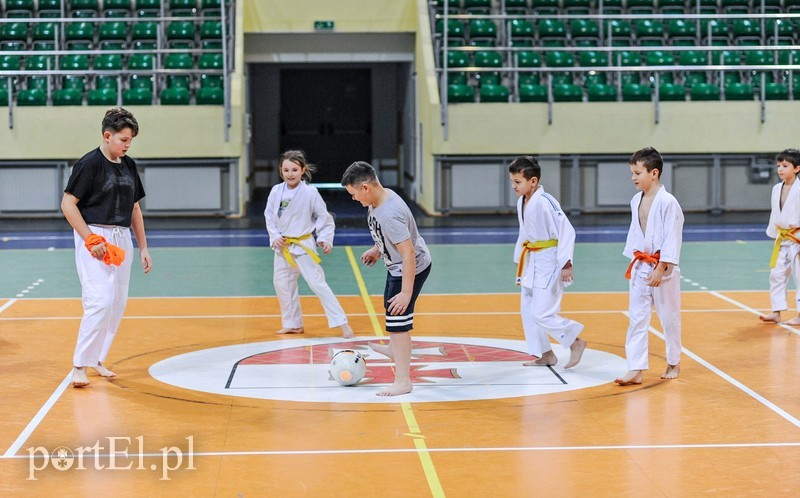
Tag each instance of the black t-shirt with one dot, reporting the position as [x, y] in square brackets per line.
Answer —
[106, 191]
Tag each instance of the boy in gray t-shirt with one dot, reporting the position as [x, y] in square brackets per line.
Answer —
[407, 260]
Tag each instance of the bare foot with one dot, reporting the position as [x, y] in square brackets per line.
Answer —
[672, 372]
[630, 378]
[548, 359]
[299, 330]
[383, 349]
[774, 317]
[396, 389]
[79, 377]
[575, 352]
[793, 321]
[103, 371]
[347, 332]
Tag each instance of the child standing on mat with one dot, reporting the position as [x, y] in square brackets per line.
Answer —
[654, 247]
[298, 221]
[784, 220]
[543, 254]
[407, 260]
[101, 203]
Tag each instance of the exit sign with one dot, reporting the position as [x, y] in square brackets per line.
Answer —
[323, 25]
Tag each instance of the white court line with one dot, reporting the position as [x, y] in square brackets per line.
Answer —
[25, 434]
[761, 399]
[751, 310]
[460, 449]
[7, 305]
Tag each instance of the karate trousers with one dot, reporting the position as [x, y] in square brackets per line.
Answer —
[285, 281]
[539, 308]
[788, 262]
[667, 300]
[104, 294]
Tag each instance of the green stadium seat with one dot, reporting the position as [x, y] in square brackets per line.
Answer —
[44, 35]
[739, 91]
[593, 59]
[14, 36]
[735, 6]
[584, 32]
[682, 32]
[4, 96]
[178, 62]
[629, 58]
[137, 96]
[67, 96]
[598, 92]
[210, 62]
[82, 8]
[107, 62]
[210, 7]
[661, 58]
[779, 31]
[455, 59]
[493, 93]
[79, 35]
[456, 33]
[610, 7]
[488, 59]
[527, 59]
[175, 96]
[181, 34]
[529, 92]
[693, 58]
[770, 7]
[577, 7]
[517, 7]
[9, 63]
[32, 97]
[649, 32]
[211, 35]
[102, 96]
[545, 7]
[49, 8]
[619, 30]
[560, 59]
[792, 6]
[522, 32]
[717, 29]
[746, 31]
[481, 7]
[641, 6]
[147, 8]
[636, 92]
[760, 58]
[144, 35]
[552, 33]
[140, 62]
[482, 33]
[567, 92]
[784, 57]
[113, 35]
[671, 92]
[112, 8]
[459, 93]
[22, 7]
[78, 63]
[704, 91]
[182, 7]
[776, 91]
[210, 96]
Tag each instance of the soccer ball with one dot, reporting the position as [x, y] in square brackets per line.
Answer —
[348, 367]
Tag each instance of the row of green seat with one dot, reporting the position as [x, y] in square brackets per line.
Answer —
[581, 7]
[109, 96]
[27, 8]
[598, 92]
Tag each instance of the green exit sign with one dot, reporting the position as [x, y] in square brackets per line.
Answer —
[323, 25]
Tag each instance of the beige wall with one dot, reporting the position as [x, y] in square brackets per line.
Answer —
[349, 16]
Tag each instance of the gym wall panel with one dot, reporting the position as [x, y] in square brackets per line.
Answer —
[349, 16]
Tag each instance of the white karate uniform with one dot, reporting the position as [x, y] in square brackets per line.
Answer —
[104, 294]
[664, 234]
[788, 262]
[542, 287]
[305, 214]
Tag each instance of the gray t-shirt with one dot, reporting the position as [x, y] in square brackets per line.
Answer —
[392, 223]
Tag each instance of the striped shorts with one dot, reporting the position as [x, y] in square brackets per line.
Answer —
[404, 322]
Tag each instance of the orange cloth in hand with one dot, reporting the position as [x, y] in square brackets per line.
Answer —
[642, 256]
[115, 255]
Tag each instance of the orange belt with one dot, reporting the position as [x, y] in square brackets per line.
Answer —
[783, 234]
[115, 255]
[642, 256]
[532, 247]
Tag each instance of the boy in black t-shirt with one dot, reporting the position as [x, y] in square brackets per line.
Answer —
[101, 203]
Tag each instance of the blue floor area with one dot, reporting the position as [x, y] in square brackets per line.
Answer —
[350, 236]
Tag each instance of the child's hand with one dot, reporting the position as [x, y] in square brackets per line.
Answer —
[398, 303]
[370, 256]
[147, 262]
[567, 275]
[326, 248]
[99, 251]
[654, 279]
[278, 244]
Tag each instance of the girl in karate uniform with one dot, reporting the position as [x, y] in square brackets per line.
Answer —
[298, 221]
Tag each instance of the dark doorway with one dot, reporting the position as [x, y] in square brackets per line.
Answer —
[327, 113]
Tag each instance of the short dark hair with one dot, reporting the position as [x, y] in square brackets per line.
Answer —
[117, 119]
[359, 172]
[528, 166]
[650, 159]
[791, 156]
[299, 158]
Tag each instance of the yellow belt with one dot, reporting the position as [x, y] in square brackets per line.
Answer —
[527, 247]
[783, 234]
[287, 241]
